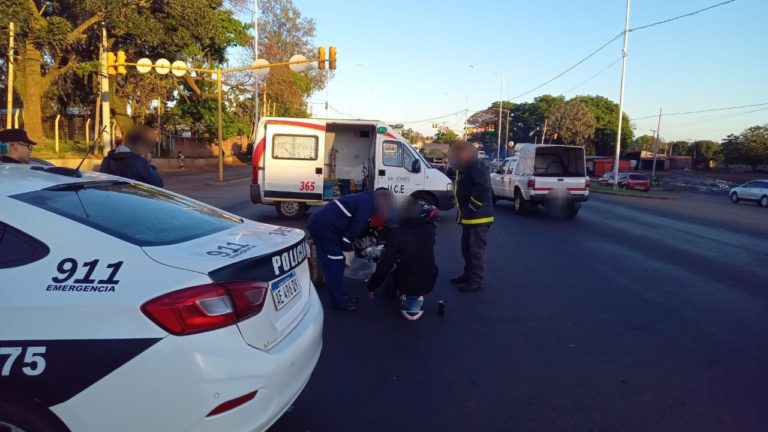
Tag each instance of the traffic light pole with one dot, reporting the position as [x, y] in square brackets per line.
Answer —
[9, 101]
[220, 125]
[106, 136]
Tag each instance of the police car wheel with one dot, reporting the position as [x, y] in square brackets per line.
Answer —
[290, 209]
[15, 418]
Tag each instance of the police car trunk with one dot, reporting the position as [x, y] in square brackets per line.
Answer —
[267, 264]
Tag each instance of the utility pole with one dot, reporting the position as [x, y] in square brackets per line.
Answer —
[621, 100]
[544, 132]
[220, 127]
[255, 57]
[506, 136]
[656, 148]
[9, 105]
[501, 114]
[106, 137]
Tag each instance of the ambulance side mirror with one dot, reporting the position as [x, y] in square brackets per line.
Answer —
[416, 166]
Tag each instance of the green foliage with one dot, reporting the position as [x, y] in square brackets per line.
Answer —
[606, 113]
[574, 124]
[750, 147]
[446, 136]
[678, 148]
[643, 143]
[704, 150]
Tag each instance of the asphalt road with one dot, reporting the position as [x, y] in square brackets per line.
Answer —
[632, 317]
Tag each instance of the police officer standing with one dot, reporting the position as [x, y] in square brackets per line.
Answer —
[334, 227]
[475, 213]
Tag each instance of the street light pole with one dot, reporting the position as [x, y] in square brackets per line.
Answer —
[501, 106]
[220, 127]
[621, 100]
[255, 56]
[9, 106]
[656, 148]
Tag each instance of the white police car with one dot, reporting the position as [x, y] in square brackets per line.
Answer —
[124, 307]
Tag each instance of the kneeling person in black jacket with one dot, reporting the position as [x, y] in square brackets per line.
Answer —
[407, 264]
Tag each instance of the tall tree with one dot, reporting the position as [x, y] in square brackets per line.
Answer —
[574, 124]
[606, 113]
[58, 39]
[749, 147]
[284, 32]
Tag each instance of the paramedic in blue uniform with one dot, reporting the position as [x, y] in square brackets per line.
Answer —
[333, 229]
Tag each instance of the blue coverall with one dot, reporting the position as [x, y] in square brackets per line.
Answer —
[333, 228]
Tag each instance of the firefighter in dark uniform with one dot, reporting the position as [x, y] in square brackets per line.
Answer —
[475, 213]
[334, 228]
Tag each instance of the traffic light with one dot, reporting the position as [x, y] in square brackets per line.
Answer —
[111, 60]
[121, 62]
[332, 58]
[321, 58]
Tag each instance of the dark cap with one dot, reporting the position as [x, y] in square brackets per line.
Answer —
[15, 135]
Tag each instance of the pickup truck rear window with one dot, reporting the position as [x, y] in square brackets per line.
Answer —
[559, 162]
[132, 212]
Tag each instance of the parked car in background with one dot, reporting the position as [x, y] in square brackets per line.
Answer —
[754, 191]
[635, 181]
[606, 179]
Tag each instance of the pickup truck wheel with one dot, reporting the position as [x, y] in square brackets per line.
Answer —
[572, 211]
[494, 198]
[520, 204]
[425, 198]
[290, 209]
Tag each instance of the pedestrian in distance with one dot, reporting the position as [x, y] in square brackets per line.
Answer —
[334, 227]
[181, 158]
[475, 213]
[133, 159]
[16, 146]
[407, 264]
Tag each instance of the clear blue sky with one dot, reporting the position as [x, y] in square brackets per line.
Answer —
[408, 60]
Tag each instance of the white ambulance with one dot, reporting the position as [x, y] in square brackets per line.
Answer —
[298, 163]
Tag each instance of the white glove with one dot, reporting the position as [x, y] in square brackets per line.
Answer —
[348, 257]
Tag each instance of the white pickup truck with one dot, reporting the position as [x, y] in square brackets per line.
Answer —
[552, 175]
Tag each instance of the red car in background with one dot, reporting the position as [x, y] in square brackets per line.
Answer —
[635, 181]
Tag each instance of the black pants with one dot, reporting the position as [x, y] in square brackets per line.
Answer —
[474, 239]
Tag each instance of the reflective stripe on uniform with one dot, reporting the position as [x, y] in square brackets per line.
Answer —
[346, 240]
[341, 206]
[336, 257]
[476, 201]
[476, 221]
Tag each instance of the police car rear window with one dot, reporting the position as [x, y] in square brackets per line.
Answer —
[132, 212]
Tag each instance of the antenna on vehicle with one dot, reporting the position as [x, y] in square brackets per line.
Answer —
[88, 149]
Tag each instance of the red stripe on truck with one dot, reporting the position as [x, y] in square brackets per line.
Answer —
[258, 153]
[297, 124]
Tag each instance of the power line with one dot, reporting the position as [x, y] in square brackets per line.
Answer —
[613, 63]
[702, 111]
[718, 118]
[603, 46]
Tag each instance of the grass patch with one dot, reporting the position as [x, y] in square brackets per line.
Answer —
[608, 190]
[46, 149]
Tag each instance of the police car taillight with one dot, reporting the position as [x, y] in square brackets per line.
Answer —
[206, 307]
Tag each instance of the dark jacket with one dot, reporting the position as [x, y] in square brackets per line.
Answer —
[342, 221]
[132, 166]
[408, 259]
[473, 194]
[8, 159]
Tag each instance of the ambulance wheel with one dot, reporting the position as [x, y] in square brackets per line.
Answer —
[18, 418]
[290, 209]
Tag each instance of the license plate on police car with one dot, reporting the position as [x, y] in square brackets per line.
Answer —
[284, 289]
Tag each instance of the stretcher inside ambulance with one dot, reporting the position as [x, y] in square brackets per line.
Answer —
[298, 163]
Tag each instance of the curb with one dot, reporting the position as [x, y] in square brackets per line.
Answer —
[659, 197]
[228, 181]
